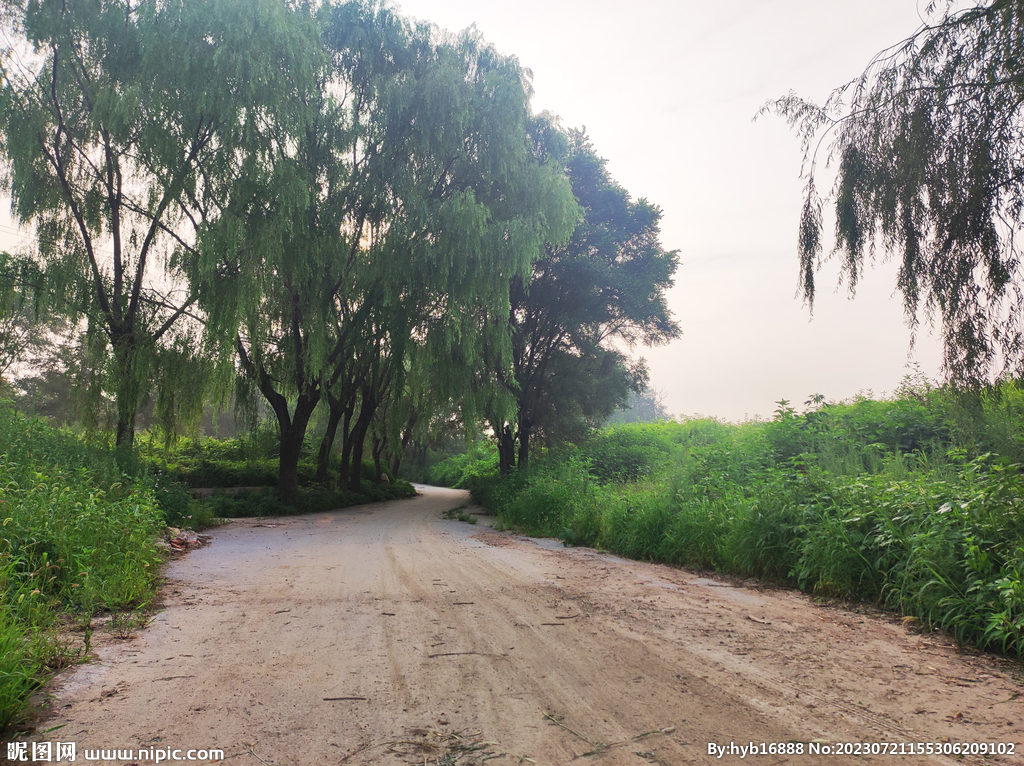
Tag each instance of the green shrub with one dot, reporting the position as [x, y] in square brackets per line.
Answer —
[479, 461]
[882, 501]
[264, 502]
[628, 453]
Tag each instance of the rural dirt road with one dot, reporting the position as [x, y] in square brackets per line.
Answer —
[387, 634]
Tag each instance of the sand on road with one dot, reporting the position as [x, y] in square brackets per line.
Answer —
[387, 634]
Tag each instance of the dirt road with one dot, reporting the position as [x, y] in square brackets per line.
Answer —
[386, 634]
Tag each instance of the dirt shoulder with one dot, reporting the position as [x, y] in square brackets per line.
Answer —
[385, 634]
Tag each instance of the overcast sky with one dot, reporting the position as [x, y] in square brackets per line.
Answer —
[667, 90]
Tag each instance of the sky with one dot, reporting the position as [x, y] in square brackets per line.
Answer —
[667, 91]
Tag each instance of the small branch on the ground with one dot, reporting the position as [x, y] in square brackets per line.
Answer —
[603, 748]
[365, 748]
[458, 654]
[557, 722]
[252, 752]
[341, 699]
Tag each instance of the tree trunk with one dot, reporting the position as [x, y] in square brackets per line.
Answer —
[288, 469]
[126, 386]
[396, 459]
[292, 431]
[524, 444]
[125, 428]
[327, 443]
[378, 453]
[366, 412]
[346, 444]
[506, 451]
[395, 465]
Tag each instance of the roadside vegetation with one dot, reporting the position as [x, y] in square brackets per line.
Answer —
[915, 503]
[80, 527]
[238, 477]
[458, 270]
[78, 538]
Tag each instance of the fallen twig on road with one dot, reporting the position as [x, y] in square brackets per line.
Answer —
[252, 752]
[603, 747]
[457, 654]
[558, 722]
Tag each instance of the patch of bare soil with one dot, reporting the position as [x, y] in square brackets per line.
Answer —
[385, 634]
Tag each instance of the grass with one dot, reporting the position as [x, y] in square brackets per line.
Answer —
[264, 502]
[78, 536]
[915, 503]
[249, 462]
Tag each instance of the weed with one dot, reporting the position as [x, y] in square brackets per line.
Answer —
[124, 624]
[78, 536]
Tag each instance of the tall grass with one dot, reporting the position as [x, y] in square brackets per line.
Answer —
[916, 503]
[77, 535]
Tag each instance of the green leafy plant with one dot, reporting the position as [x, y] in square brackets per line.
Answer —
[895, 502]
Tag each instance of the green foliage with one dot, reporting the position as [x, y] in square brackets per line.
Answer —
[403, 198]
[627, 454]
[209, 462]
[864, 500]
[78, 534]
[259, 503]
[582, 302]
[174, 500]
[641, 407]
[463, 470]
[124, 127]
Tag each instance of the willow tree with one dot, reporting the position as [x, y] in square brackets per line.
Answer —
[468, 206]
[408, 191]
[124, 123]
[927, 143]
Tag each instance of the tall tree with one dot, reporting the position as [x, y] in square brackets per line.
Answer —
[582, 302]
[123, 123]
[409, 191]
[931, 170]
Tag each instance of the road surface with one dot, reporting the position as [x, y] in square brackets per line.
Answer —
[388, 634]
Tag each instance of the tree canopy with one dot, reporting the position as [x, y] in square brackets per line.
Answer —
[927, 145]
[407, 192]
[583, 305]
[123, 124]
[327, 202]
